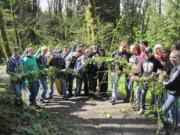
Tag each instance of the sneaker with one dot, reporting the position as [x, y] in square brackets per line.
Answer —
[126, 100]
[50, 97]
[65, 97]
[141, 111]
[136, 108]
[113, 102]
[70, 95]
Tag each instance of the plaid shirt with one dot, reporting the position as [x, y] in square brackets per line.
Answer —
[14, 65]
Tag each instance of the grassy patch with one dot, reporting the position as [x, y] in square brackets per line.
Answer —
[122, 90]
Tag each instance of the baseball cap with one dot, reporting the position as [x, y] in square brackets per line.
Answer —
[148, 50]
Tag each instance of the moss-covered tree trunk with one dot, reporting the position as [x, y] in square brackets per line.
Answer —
[3, 34]
[89, 24]
[16, 29]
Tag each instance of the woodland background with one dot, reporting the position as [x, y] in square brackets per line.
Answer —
[105, 22]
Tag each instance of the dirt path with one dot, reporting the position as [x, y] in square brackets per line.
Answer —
[92, 117]
[95, 116]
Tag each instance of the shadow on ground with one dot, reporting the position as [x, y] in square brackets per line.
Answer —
[88, 114]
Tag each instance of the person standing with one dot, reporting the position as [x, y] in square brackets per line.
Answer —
[143, 44]
[116, 67]
[59, 63]
[133, 61]
[173, 86]
[149, 66]
[102, 74]
[42, 64]
[31, 68]
[15, 68]
[91, 70]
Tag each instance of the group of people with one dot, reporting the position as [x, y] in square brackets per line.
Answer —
[35, 64]
[147, 61]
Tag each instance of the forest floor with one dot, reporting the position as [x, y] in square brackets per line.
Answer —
[96, 116]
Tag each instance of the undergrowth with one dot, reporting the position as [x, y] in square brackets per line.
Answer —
[18, 119]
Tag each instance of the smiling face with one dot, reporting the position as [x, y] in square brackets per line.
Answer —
[172, 57]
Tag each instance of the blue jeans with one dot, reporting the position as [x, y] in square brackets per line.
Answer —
[17, 88]
[164, 96]
[33, 89]
[51, 93]
[171, 106]
[63, 85]
[144, 89]
[143, 94]
[44, 88]
[114, 84]
[137, 95]
[128, 86]
[78, 86]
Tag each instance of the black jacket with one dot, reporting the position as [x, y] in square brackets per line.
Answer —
[150, 65]
[168, 66]
[72, 62]
[173, 84]
[58, 63]
[117, 54]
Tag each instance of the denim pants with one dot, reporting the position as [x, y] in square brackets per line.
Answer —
[114, 84]
[44, 88]
[17, 87]
[79, 81]
[51, 93]
[69, 82]
[33, 89]
[63, 85]
[78, 86]
[137, 95]
[143, 93]
[171, 106]
[128, 86]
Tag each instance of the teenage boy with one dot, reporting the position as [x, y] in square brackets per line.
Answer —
[149, 66]
[15, 67]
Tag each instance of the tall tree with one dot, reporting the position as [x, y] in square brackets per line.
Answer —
[15, 25]
[34, 8]
[3, 34]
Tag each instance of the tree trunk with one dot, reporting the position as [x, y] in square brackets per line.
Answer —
[15, 30]
[159, 6]
[64, 7]
[3, 34]
[38, 8]
[3, 54]
[34, 8]
[59, 6]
